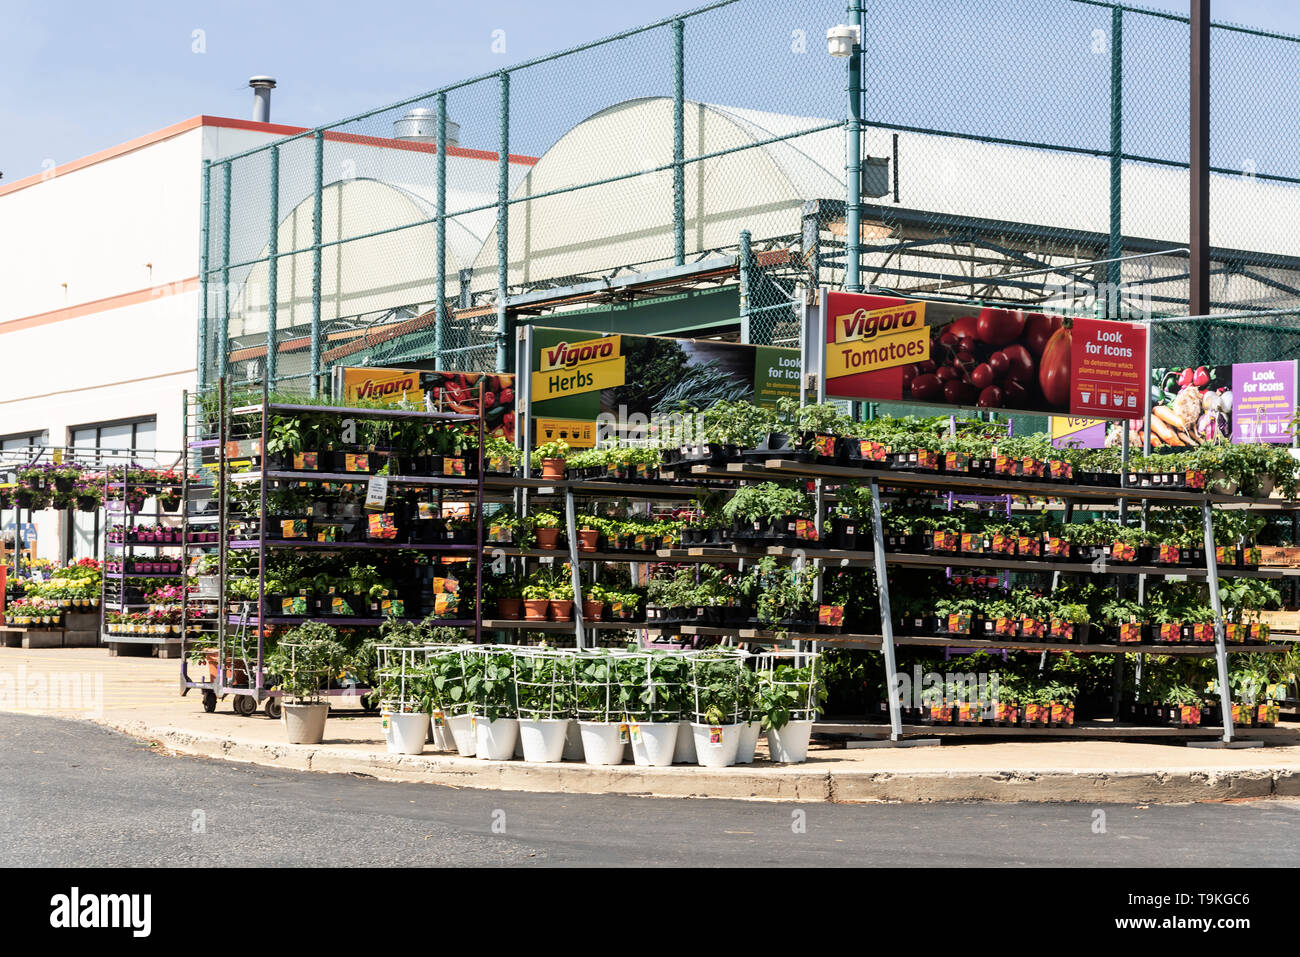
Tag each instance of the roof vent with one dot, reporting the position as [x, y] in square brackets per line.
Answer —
[421, 126]
[262, 87]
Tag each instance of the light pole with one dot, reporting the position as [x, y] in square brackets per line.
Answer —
[846, 41]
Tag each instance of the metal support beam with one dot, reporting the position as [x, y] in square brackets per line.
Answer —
[317, 228]
[886, 617]
[679, 142]
[571, 523]
[1220, 646]
[440, 253]
[1199, 294]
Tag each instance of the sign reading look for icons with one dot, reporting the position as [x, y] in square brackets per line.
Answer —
[890, 349]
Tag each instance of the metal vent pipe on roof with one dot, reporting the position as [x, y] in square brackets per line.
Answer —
[421, 126]
[262, 87]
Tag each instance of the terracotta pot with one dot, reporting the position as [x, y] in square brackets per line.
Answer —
[593, 610]
[553, 469]
[561, 610]
[587, 539]
[535, 609]
[548, 538]
[511, 609]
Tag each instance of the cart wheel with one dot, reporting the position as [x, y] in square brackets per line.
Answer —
[273, 709]
[209, 701]
[245, 704]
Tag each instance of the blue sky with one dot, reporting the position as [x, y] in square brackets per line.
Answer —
[80, 77]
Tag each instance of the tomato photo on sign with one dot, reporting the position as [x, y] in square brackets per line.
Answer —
[1000, 327]
[1054, 369]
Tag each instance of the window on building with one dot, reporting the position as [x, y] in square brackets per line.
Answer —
[12, 449]
[105, 443]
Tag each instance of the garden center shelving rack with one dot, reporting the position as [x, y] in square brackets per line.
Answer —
[199, 533]
[570, 491]
[243, 460]
[942, 484]
[120, 493]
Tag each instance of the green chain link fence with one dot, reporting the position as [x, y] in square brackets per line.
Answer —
[1034, 152]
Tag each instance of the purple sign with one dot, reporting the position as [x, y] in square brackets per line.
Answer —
[1263, 401]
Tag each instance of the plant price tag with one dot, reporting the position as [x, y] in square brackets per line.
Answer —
[377, 492]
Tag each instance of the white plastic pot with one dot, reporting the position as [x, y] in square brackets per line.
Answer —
[573, 742]
[720, 753]
[655, 742]
[305, 723]
[495, 739]
[543, 739]
[684, 752]
[462, 733]
[601, 743]
[406, 733]
[748, 742]
[789, 745]
[440, 735]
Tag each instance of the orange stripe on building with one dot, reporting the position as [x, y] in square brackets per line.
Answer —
[229, 123]
[100, 305]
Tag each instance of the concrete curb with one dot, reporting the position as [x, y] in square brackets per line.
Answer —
[789, 783]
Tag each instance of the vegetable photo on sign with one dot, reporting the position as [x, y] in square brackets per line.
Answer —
[988, 357]
[1189, 407]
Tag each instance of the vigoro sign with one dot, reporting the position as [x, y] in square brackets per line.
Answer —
[370, 389]
[866, 324]
[566, 355]
[390, 386]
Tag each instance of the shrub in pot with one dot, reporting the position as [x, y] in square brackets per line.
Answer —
[751, 717]
[544, 691]
[304, 661]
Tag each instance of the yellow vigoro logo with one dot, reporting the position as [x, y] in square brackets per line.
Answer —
[869, 340]
[389, 387]
[571, 368]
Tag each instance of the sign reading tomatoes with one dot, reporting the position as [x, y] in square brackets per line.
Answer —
[885, 348]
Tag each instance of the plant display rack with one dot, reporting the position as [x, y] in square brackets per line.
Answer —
[200, 530]
[252, 470]
[128, 549]
[882, 482]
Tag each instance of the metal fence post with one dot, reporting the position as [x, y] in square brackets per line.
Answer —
[317, 228]
[223, 339]
[203, 275]
[679, 142]
[503, 223]
[1114, 272]
[272, 252]
[744, 267]
[853, 167]
[440, 255]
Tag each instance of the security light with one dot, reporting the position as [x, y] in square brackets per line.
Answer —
[840, 40]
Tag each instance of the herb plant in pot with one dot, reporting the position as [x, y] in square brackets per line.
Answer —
[491, 687]
[595, 691]
[544, 690]
[549, 460]
[546, 526]
[306, 658]
[715, 687]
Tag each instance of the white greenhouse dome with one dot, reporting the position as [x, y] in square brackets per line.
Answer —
[365, 275]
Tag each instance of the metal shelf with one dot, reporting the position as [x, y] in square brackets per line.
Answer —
[356, 478]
